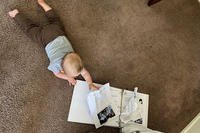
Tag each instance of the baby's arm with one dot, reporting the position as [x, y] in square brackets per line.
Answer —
[87, 77]
[63, 76]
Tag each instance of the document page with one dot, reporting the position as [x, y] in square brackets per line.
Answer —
[134, 109]
[116, 96]
[101, 105]
[79, 105]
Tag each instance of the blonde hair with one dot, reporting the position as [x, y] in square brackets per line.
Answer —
[72, 62]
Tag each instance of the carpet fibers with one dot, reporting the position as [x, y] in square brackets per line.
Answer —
[123, 42]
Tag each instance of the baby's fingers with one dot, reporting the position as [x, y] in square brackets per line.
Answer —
[74, 82]
[70, 84]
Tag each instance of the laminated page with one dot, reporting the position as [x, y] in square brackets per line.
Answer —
[101, 106]
[134, 108]
[130, 110]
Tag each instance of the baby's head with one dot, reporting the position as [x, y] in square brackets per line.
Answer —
[72, 65]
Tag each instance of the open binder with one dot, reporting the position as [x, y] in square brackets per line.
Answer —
[79, 110]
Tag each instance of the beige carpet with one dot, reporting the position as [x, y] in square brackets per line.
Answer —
[123, 42]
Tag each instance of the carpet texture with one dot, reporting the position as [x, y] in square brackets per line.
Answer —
[123, 42]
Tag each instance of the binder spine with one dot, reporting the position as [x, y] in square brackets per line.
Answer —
[121, 108]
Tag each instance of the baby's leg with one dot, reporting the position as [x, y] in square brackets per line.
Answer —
[32, 30]
[44, 5]
[52, 17]
[54, 27]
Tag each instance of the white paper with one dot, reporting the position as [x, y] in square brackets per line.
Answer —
[130, 103]
[79, 111]
[133, 109]
[134, 128]
[98, 101]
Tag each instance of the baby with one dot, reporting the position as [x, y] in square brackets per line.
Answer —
[64, 62]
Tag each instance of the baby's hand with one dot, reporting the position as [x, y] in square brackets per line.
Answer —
[93, 87]
[71, 81]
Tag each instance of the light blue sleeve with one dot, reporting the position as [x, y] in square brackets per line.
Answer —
[55, 68]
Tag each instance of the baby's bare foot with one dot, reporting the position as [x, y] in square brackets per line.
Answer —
[44, 5]
[13, 13]
[41, 1]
